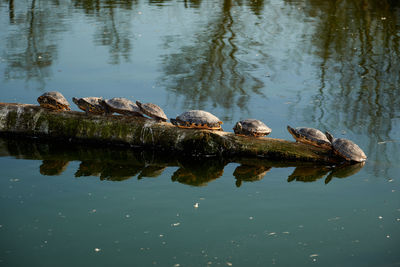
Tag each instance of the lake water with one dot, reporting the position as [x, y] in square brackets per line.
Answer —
[332, 65]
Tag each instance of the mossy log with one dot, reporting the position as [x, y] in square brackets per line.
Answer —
[35, 121]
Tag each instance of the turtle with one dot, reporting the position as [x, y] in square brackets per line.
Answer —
[91, 105]
[346, 149]
[251, 127]
[152, 110]
[54, 101]
[122, 106]
[310, 136]
[198, 119]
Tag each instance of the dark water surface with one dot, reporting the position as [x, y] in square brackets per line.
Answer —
[332, 65]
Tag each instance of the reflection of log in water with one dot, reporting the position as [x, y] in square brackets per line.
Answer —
[118, 164]
[249, 173]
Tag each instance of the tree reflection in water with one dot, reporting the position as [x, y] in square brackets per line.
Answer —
[207, 69]
[358, 45]
[32, 47]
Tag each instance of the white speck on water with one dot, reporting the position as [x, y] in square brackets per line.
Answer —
[380, 217]
[388, 236]
[93, 211]
[196, 205]
[229, 263]
[177, 265]
[390, 180]
[175, 224]
[398, 219]
[286, 232]
[161, 235]
[14, 180]
[140, 12]
[383, 18]
[97, 249]
[272, 233]
[251, 218]
[313, 255]
[127, 216]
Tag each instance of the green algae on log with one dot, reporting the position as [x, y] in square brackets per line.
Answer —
[35, 121]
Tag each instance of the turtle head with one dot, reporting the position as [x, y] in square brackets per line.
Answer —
[238, 126]
[292, 131]
[75, 100]
[329, 136]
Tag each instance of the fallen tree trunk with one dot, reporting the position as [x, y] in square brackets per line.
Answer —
[35, 121]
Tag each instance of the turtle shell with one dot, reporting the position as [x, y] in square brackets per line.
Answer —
[91, 105]
[199, 119]
[310, 136]
[53, 100]
[122, 106]
[347, 149]
[152, 110]
[251, 127]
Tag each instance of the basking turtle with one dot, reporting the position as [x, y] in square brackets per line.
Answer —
[251, 127]
[346, 149]
[197, 119]
[53, 100]
[122, 106]
[91, 105]
[310, 136]
[152, 110]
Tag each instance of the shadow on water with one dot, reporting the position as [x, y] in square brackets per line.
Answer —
[119, 164]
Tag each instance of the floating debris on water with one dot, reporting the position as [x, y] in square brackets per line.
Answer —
[380, 217]
[97, 249]
[387, 141]
[229, 263]
[251, 218]
[196, 205]
[313, 255]
[175, 224]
